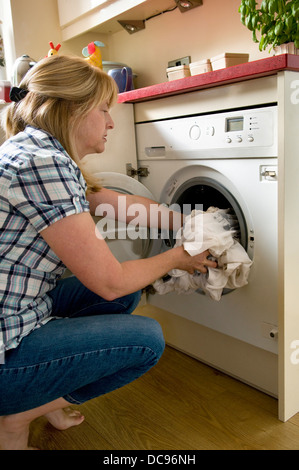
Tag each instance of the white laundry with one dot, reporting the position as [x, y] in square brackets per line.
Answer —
[211, 230]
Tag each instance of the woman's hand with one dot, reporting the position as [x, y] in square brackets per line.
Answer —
[194, 263]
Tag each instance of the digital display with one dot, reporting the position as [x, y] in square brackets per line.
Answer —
[234, 124]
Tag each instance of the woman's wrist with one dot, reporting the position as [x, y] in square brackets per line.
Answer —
[180, 257]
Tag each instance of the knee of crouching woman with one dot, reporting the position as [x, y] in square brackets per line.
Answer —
[153, 337]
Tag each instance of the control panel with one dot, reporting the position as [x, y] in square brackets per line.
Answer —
[249, 132]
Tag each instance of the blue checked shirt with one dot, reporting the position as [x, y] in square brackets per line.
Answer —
[39, 184]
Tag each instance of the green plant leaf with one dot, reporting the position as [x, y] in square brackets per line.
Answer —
[261, 44]
[254, 38]
[278, 28]
[273, 7]
[264, 6]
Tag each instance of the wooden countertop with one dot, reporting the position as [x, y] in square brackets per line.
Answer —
[237, 73]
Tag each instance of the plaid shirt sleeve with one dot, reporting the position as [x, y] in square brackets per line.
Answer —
[47, 190]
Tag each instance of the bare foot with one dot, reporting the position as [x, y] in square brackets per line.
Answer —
[13, 436]
[64, 418]
[14, 429]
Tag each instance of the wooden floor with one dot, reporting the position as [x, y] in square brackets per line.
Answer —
[180, 404]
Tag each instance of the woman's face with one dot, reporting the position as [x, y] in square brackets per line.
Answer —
[91, 134]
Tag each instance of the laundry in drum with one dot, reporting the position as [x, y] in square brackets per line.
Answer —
[218, 232]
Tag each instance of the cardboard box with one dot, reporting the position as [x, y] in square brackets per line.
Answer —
[202, 66]
[181, 71]
[228, 59]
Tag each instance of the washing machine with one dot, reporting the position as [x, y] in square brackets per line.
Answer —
[226, 160]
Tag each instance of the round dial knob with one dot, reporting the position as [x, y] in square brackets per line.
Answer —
[194, 132]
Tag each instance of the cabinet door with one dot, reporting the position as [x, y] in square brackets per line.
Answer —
[69, 10]
[121, 147]
[80, 16]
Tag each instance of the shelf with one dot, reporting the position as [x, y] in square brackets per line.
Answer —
[237, 73]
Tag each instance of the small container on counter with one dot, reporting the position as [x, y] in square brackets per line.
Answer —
[202, 66]
[5, 86]
[180, 71]
[227, 59]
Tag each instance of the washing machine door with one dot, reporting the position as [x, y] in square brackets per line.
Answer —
[201, 187]
[122, 239]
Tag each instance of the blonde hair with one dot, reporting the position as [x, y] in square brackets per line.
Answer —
[61, 91]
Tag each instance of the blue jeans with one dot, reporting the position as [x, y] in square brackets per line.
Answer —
[96, 347]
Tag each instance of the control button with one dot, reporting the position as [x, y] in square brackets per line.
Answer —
[210, 130]
[250, 138]
[228, 140]
[239, 139]
[194, 132]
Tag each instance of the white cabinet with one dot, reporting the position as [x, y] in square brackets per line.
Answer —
[70, 10]
[79, 16]
[277, 374]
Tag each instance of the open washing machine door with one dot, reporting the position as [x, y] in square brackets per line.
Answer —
[123, 183]
[122, 239]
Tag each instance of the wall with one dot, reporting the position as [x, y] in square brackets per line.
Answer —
[203, 32]
[34, 24]
[7, 35]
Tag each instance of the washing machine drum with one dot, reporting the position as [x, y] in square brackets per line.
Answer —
[122, 239]
[203, 193]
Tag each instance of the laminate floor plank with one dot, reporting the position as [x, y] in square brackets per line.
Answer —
[181, 404]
